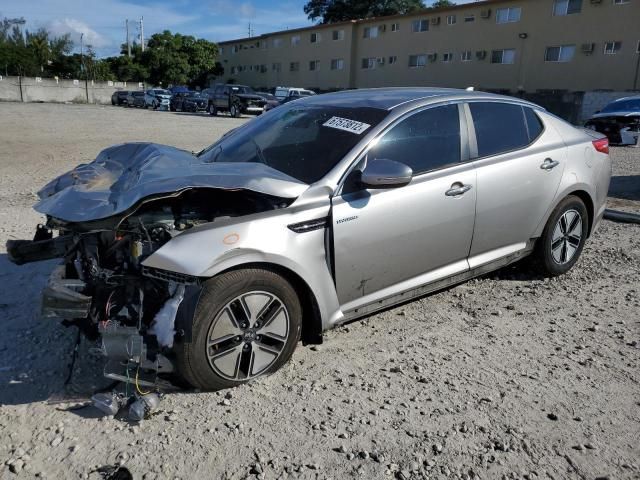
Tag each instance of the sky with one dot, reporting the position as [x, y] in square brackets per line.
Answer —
[103, 21]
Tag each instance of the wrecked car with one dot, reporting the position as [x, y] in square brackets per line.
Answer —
[619, 121]
[215, 265]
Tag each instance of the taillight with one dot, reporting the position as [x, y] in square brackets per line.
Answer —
[601, 145]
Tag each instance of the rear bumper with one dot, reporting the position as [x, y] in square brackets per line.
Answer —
[61, 298]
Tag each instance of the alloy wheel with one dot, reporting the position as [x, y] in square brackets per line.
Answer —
[248, 335]
[566, 237]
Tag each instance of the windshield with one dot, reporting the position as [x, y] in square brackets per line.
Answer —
[623, 106]
[302, 141]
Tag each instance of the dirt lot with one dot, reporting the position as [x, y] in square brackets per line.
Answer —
[508, 376]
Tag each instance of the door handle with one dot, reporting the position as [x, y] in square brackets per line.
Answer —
[548, 164]
[457, 189]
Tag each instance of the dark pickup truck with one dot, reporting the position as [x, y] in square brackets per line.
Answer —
[235, 99]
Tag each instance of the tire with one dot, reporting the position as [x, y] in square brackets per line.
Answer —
[234, 110]
[213, 111]
[559, 247]
[172, 108]
[241, 350]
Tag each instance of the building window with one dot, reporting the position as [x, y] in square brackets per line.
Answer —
[416, 61]
[447, 57]
[370, 32]
[337, 34]
[562, 53]
[221, 50]
[469, 18]
[277, 42]
[369, 63]
[234, 70]
[235, 48]
[621, 2]
[314, 65]
[611, 48]
[566, 7]
[395, 27]
[337, 64]
[508, 15]
[393, 59]
[451, 20]
[507, 56]
[466, 56]
[294, 66]
[295, 40]
[420, 25]
[275, 67]
[314, 37]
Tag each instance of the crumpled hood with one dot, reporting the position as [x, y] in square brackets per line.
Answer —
[124, 174]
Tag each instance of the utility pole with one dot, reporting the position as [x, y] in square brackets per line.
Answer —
[250, 30]
[81, 54]
[141, 34]
[126, 22]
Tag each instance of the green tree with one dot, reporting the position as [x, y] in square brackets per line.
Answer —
[442, 4]
[331, 11]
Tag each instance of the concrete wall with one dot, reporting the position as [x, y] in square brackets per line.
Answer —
[29, 89]
[594, 101]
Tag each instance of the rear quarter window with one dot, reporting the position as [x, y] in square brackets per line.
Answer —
[503, 127]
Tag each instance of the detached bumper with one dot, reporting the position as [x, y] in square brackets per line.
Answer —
[61, 298]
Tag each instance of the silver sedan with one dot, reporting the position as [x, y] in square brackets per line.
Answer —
[321, 211]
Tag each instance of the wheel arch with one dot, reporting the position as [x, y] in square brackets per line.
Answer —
[311, 318]
[588, 202]
[580, 191]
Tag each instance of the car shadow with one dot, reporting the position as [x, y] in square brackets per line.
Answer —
[626, 187]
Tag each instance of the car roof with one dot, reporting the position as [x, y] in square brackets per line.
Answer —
[390, 98]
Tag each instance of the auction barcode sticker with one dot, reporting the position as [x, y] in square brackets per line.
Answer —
[346, 125]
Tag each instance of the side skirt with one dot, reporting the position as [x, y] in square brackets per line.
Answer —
[441, 284]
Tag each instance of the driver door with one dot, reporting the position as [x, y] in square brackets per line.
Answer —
[390, 240]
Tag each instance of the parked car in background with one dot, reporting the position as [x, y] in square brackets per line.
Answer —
[157, 98]
[619, 121]
[286, 94]
[270, 99]
[119, 97]
[188, 102]
[327, 209]
[235, 99]
[136, 99]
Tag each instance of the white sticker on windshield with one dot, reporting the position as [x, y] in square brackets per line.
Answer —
[346, 125]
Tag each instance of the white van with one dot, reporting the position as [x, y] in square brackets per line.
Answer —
[285, 94]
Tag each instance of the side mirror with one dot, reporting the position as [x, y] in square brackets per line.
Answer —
[383, 173]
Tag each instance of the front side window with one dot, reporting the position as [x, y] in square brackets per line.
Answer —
[420, 25]
[508, 15]
[503, 127]
[425, 141]
[566, 7]
[417, 61]
[562, 53]
[507, 56]
[298, 140]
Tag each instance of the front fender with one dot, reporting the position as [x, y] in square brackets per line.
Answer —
[213, 248]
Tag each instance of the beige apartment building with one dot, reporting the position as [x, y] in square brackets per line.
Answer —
[499, 45]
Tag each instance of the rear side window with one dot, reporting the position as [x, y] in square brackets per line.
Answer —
[503, 127]
[427, 140]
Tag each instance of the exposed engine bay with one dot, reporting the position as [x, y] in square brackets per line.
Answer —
[101, 285]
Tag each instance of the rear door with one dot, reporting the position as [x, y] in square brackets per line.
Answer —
[390, 240]
[519, 163]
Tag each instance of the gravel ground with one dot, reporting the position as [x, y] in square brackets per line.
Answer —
[507, 376]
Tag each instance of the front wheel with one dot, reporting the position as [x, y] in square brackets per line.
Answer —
[246, 325]
[234, 111]
[213, 111]
[563, 238]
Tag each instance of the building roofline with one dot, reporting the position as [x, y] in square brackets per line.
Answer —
[425, 11]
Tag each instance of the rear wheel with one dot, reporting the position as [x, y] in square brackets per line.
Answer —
[563, 238]
[213, 111]
[246, 325]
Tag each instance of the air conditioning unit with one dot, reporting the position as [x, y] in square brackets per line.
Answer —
[435, 21]
[486, 13]
[588, 48]
[432, 57]
[481, 54]
[380, 60]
